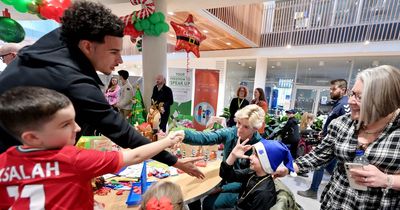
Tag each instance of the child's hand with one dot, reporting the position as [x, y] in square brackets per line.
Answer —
[238, 152]
[240, 148]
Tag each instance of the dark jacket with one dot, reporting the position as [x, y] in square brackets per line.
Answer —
[256, 193]
[290, 132]
[163, 95]
[49, 63]
[340, 107]
[235, 105]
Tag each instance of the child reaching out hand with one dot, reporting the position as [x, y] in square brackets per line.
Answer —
[47, 168]
[258, 188]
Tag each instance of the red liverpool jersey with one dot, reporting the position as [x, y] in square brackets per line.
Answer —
[52, 179]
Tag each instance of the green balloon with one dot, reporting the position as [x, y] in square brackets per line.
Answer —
[158, 28]
[21, 6]
[154, 18]
[147, 32]
[11, 30]
[162, 16]
[8, 2]
[165, 27]
[145, 24]
[33, 8]
[138, 26]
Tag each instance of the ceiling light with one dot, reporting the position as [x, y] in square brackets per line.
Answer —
[366, 42]
[272, 67]
[228, 43]
[250, 67]
[205, 31]
[171, 13]
[239, 63]
[288, 46]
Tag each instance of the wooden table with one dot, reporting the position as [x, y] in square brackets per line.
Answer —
[192, 187]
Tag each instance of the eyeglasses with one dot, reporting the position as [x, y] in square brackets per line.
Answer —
[2, 56]
[356, 96]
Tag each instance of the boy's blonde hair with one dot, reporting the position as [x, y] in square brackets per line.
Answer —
[161, 190]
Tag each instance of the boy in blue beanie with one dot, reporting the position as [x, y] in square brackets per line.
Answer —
[258, 188]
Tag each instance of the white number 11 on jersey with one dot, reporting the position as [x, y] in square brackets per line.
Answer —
[34, 192]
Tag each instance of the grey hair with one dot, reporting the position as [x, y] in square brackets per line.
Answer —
[253, 113]
[380, 93]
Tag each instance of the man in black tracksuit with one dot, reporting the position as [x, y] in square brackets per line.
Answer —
[66, 60]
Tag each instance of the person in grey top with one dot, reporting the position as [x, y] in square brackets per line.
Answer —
[126, 94]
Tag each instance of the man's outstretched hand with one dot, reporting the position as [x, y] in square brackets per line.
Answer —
[187, 165]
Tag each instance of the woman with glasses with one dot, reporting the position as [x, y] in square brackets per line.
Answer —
[372, 125]
[237, 103]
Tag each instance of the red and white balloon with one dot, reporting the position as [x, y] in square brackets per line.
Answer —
[188, 37]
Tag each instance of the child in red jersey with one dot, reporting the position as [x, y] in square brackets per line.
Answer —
[47, 171]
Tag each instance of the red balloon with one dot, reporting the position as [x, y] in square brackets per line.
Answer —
[53, 9]
[188, 37]
[129, 29]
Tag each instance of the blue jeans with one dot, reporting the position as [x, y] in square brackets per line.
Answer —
[319, 173]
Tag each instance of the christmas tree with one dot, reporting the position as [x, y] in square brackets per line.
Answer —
[138, 114]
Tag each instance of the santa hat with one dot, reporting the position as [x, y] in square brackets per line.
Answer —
[272, 153]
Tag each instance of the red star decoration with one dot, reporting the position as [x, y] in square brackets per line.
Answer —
[188, 37]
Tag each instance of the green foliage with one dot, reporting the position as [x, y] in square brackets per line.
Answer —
[317, 125]
[178, 128]
[298, 116]
[226, 114]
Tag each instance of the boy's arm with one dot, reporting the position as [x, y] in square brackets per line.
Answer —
[147, 151]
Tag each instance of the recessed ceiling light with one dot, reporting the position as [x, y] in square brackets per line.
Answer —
[273, 67]
[239, 63]
[171, 13]
[205, 31]
[228, 43]
[250, 67]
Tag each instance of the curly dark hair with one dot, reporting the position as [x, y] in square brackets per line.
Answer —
[85, 20]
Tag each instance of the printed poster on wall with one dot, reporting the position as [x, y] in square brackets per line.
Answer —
[205, 97]
[180, 81]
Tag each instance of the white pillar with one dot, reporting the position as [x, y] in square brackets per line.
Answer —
[261, 73]
[154, 55]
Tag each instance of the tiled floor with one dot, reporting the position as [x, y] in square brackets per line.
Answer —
[302, 183]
